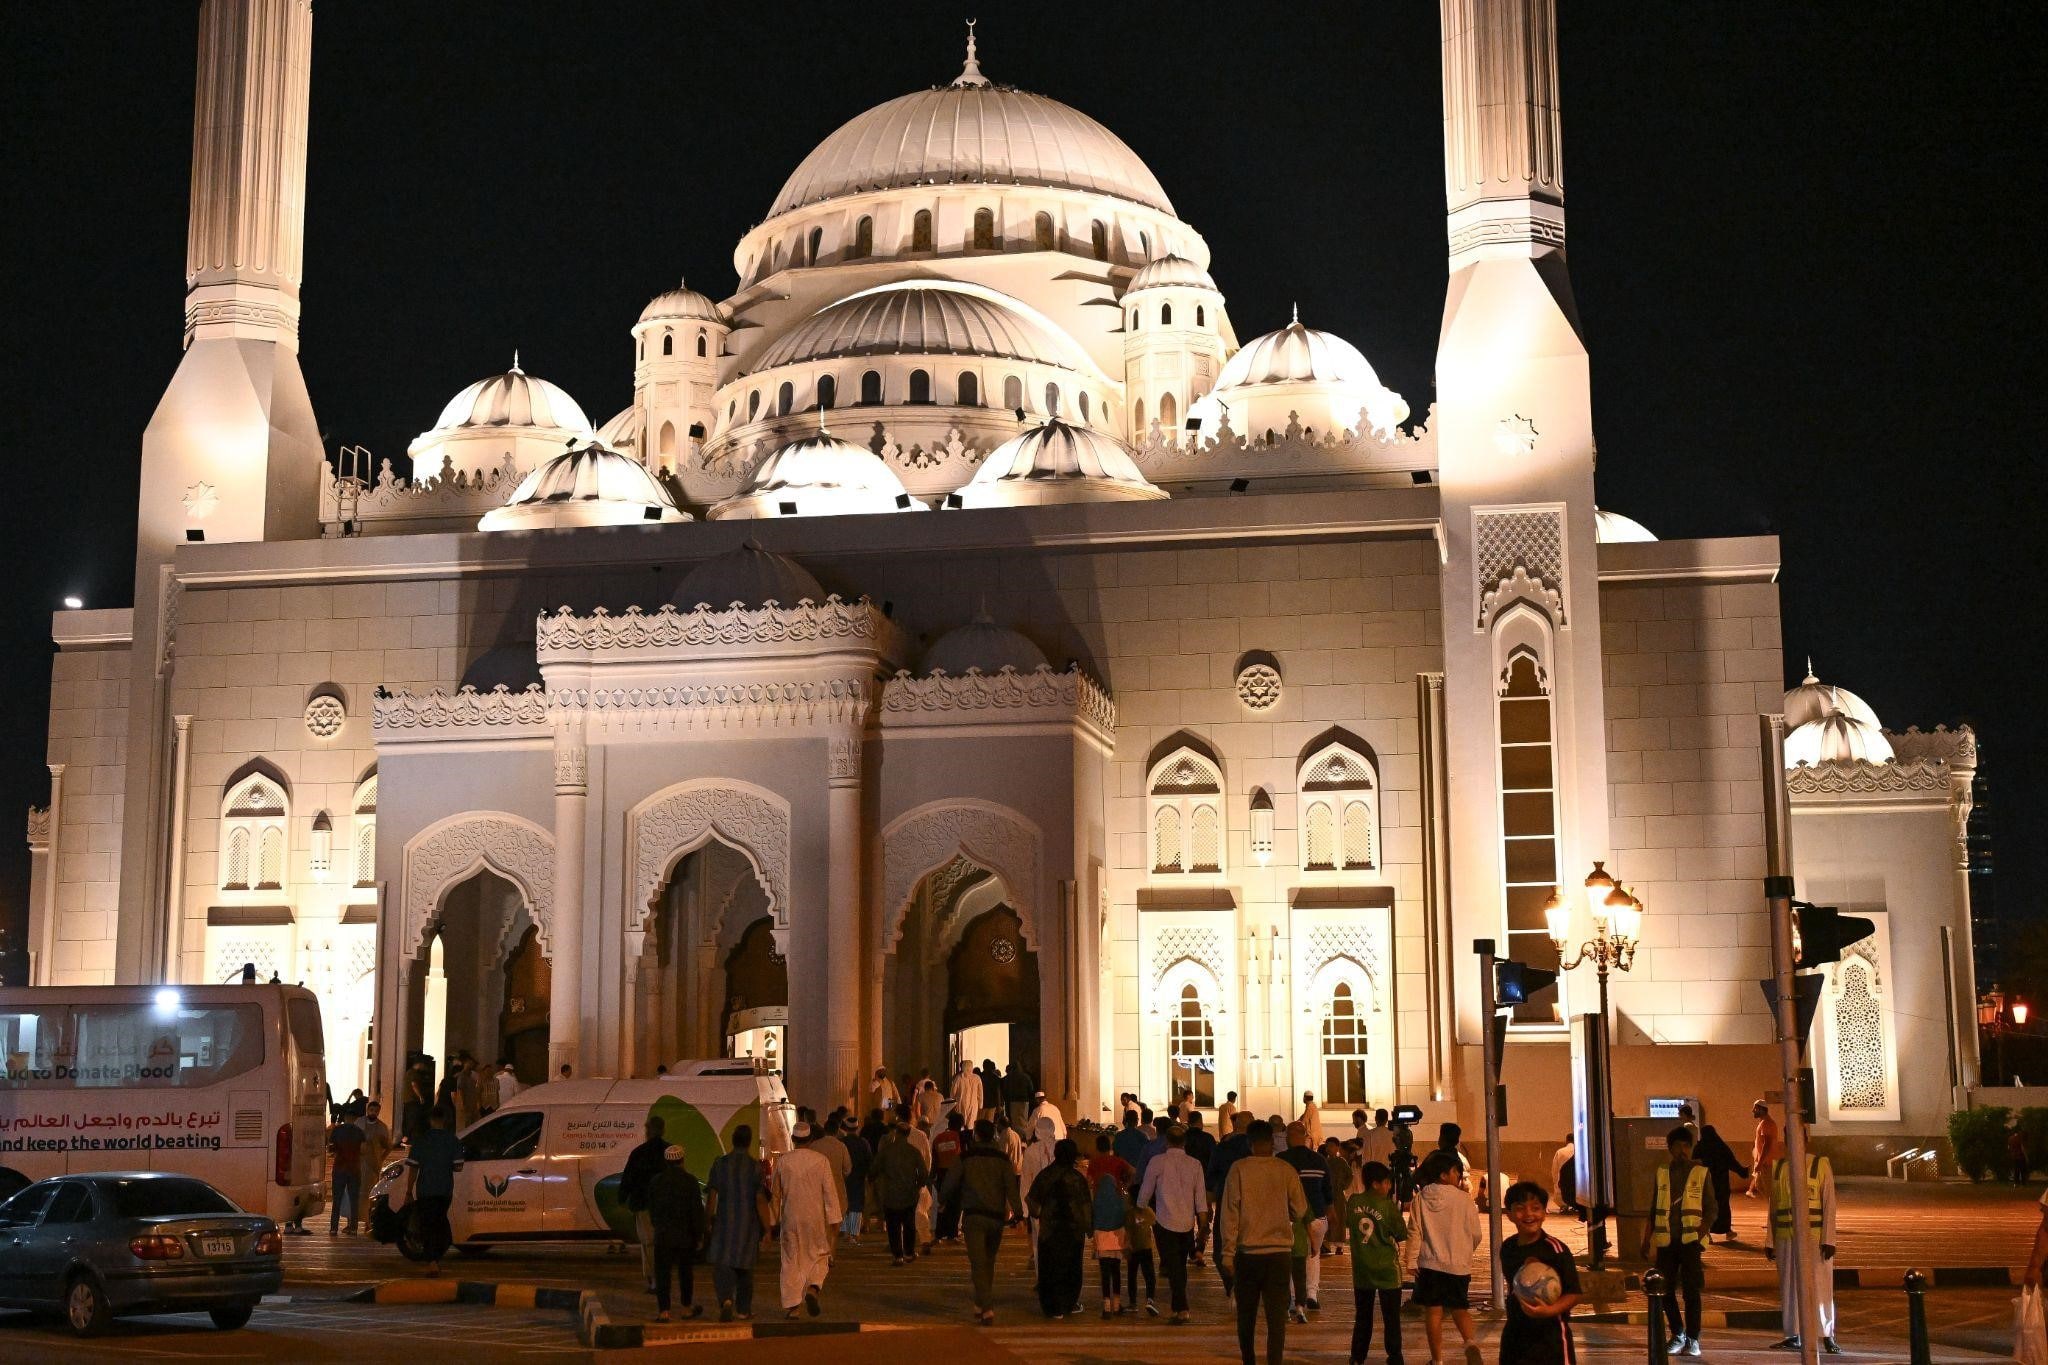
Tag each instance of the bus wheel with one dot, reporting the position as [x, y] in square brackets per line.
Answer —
[85, 1305]
[474, 1248]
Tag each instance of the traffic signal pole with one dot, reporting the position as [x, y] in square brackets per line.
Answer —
[1778, 891]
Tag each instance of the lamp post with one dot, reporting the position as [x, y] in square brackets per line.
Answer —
[1991, 1016]
[1617, 928]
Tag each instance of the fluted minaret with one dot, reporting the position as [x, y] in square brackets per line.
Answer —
[232, 452]
[1521, 606]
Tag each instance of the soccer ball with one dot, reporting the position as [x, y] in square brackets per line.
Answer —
[1536, 1282]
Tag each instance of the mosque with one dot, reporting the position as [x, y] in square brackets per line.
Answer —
[974, 639]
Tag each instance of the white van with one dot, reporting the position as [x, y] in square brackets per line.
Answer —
[546, 1167]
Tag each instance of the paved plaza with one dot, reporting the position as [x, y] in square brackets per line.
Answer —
[1884, 1227]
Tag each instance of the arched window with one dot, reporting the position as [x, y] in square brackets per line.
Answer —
[863, 238]
[969, 390]
[984, 230]
[667, 446]
[817, 241]
[1166, 315]
[1201, 316]
[1052, 400]
[1042, 232]
[1340, 804]
[1137, 319]
[1528, 787]
[270, 858]
[1098, 239]
[366, 831]
[1145, 246]
[920, 387]
[1344, 1044]
[871, 387]
[785, 399]
[641, 352]
[1138, 420]
[254, 817]
[1082, 400]
[1013, 392]
[700, 342]
[668, 343]
[921, 231]
[828, 391]
[753, 405]
[1187, 813]
[1169, 414]
[236, 874]
[1191, 1047]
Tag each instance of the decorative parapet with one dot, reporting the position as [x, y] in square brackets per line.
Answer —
[1957, 747]
[497, 714]
[636, 635]
[449, 495]
[38, 828]
[715, 706]
[1920, 778]
[975, 698]
[1292, 452]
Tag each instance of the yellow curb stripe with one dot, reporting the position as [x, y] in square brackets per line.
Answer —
[515, 1296]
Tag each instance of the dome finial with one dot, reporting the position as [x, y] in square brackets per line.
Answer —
[970, 74]
[1810, 678]
[1295, 321]
[515, 361]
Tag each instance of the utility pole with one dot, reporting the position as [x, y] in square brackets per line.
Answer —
[1490, 1056]
[1778, 891]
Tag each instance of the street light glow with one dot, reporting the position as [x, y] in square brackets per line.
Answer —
[73, 603]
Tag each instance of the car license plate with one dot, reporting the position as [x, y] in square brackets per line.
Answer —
[216, 1246]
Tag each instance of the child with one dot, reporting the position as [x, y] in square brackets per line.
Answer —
[1138, 1258]
[1447, 1224]
[1372, 1222]
[1108, 1176]
[1533, 1262]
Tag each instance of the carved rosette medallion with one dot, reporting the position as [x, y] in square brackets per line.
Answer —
[324, 716]
[1258, 687]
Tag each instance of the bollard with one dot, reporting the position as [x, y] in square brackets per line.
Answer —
[1916, 1318]
[1653, 1289]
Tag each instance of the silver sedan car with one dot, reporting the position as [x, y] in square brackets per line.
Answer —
[91, 1246]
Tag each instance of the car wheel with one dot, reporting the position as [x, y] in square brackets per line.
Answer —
[85, 1306]
[229, 1316]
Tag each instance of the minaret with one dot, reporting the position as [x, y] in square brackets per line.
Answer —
[233, 451]
[1520, 589]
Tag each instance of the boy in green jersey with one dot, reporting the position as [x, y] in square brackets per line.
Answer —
[1372, 1221]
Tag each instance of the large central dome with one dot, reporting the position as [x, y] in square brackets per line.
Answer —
[971, 132]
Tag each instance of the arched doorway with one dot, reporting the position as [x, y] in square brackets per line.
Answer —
[523, 1020]
[961, 979]
[479, 968]
[713, 980]
[992, 993]
[755, 1020]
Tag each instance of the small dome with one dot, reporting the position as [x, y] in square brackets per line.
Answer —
[1298, 355]
[1298, 373]
[746, 577]
[682, 304]
[984, 645]
[513, 399]
[925, 317]
[588, 486]
[1057, 462]
[1171, 270]
[1814, 700]
[1612, 528]
[1836, 738]
[819, 475]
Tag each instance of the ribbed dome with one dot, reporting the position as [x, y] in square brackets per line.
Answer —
[513, 399]
[681, 303]
[589, 486]
[1612, 528]
[819, 475]
[1297, 355]
[982, 644]
[748, 577]
[1814, 700]
[1298, 374]
[1171, 270]
[971, 133]
[924, 317]
[1057, 462]
[1836, 738]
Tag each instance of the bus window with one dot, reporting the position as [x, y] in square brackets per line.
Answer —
[111, 1046]
[304, 1018]
[508, 1137]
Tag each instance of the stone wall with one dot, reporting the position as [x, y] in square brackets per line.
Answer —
[89, 736]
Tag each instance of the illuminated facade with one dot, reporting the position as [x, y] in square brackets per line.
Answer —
[963, 638]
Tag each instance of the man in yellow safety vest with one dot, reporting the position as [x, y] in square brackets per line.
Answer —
[1684, 1211]
[1819, 1247]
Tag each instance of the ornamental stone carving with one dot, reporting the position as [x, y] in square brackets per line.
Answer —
[843, 762]
[1258, 686]
[38, 827]
[565, 634]
[1519, 553]
[324, 716]
[1852, 779]
[1352, 942]
[680, 820]
[447, 853]
[1180, 943]
[716, 704]
[933, 836]
[572, 770]
[1000, 696]
[499, 709]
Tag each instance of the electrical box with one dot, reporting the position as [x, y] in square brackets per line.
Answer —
[1639, 1149]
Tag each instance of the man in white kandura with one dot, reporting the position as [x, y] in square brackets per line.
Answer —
[965, 1092]
[808, 1210]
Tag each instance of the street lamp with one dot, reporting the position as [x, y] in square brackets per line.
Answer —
[1617, 930]
[2019, 1014]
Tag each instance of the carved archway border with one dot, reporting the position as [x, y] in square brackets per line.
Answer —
[452, 850]
[921, 841]
[677, 821]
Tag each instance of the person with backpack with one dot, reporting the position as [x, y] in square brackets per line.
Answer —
[1060, 1204]
[1109, 1176]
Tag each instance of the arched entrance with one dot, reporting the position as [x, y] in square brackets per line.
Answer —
[961, 978]
[479, 981]
[755, 1016]
[713, 979]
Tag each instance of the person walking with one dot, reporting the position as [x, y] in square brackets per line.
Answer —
[1448, 1227]
[488, 1097]
[509, 1084]
[376, 1148]
[1377, 1142]
[900, 1175]
[1038, 1154]
[807, 1210]
[1375, 1229]
[1062, 1211]
[928, 1102]
[1538, 1330]
[882, 1092]
[1043, 1108]
[1226, 1114]
[1232, 1148]
[1681, 1212]
[1109, 1176]
[675, 1210]
[1767, 1151]
[345, 1155]
[2016, 1156]
[1818, 1228]
[1176, 1190]
[1140, 1237]
[965, 1092]
[1719, 1159]
[1311, 1120]
[830, 1145]
[983, 1186]
[949, 1144]
[643, 1163]
[1262, 1202]
[991, 1088]
[1129, 1142]
[1017, 1088]
[860, 1159]
[1314, 1172]
[732, 1204]
[434, 1159]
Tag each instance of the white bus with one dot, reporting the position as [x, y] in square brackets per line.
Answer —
[227, 1083]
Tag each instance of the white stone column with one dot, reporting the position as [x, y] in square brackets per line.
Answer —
[565, 946]
[42, 936]
[174, 894]
[842, 1041]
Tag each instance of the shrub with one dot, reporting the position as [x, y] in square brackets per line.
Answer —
[1978, 1138]
[2034, 1131]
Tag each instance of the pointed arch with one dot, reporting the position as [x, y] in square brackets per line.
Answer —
[452, 850]
[1338, 779]
[921, 841]
[675, 822]
[1185, 787]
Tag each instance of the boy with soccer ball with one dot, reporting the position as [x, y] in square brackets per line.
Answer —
[1545, 1284]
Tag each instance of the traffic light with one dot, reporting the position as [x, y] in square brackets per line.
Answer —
[1820, 933]
[1515, 982]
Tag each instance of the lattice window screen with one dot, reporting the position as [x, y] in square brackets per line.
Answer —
[1859, 1040]
[1358, 831]
[270, 858]
[366, 852]
[1205, 851]
[1322, 837]
[1166, 840]
[238, 859]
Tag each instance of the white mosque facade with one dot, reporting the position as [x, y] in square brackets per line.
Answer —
[966, 641]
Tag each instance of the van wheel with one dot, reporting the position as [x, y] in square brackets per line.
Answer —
[85, 1305]
[229, 1316]
[474, 1248]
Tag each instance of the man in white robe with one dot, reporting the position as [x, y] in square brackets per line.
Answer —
[1043, 1108]
[966, 1094]
[808, 1209]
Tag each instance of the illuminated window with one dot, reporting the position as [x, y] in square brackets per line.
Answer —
[1043, 233]
[921, 231]
[667, 445]
[1344, 1044]
[1191, 1047]
[1528, 788]
[1138, 419]
[863, 238]
[254, 817]
[365, 812]
[270, 857]
[1187, 813]
[1169, 413]
[984, 230]
[1340, 810]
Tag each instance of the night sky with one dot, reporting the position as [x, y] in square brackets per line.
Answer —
[1799, 241]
